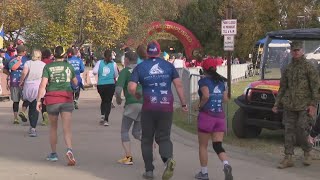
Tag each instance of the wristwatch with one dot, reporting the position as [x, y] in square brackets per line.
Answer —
[184, 105]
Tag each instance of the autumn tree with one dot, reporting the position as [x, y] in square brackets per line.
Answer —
[17, 15]
[51, 29]
[144, 12]
[97, 21]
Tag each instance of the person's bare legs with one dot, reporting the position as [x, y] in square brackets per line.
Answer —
[127, 148]
[203, 139]
[67, 134]
[203, 148]
[217, 138]
[66, 123]
[53, 132]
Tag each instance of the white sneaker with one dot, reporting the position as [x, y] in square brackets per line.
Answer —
[106, 123]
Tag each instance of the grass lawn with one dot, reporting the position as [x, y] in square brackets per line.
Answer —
[268, 141]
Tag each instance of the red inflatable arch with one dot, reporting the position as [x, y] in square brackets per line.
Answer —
[190, 43]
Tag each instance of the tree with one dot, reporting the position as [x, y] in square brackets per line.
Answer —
[254, 18]
[97, 21]
[17, 15]
[203, 19]
[144, 12]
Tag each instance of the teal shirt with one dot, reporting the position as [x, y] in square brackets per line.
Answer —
[106, 73]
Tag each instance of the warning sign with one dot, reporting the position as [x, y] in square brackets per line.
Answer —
[229, 27]
[228, 43]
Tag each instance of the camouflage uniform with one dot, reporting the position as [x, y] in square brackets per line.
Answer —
[298, 89]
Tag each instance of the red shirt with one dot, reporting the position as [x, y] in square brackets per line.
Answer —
[47, 60]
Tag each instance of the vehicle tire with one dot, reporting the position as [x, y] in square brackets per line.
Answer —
[240, 128]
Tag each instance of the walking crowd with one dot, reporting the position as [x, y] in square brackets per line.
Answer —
[50, 84]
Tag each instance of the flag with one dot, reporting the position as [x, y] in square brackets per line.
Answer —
[1, 36]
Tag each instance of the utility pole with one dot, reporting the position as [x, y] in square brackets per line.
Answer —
[229, 16]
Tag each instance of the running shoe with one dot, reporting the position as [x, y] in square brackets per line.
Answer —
[168, 171]
[16, 121]
[53, 157]
[202, 176]
[101, 122]
[227, 172]
[106, 123]
[126, 161]
[23, 116]
[32, 132]
[45, 120]
[76, 105]
[70, 158]
[148, 175]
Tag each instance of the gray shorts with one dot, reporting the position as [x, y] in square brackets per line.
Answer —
[16, 94]
[56, 109]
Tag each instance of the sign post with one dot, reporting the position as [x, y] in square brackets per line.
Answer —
[229, 30]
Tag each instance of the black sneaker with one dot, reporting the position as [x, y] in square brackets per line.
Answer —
[148, 175]
[227, 172]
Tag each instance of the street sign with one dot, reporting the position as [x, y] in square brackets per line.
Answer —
[228, 43]
[229, 27]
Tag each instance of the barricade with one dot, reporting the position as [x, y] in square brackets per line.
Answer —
[316, 145]
[4, 93]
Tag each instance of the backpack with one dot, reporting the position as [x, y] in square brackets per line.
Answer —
[15, 63]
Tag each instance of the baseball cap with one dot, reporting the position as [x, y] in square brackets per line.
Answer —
[209, 63]
[21, 48]
[153, 49]
[296, 45]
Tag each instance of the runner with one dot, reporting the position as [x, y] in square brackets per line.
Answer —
[47, 59]
[211, 118]
[142, 53]
[132, 108]
[13, 69]
[78, 68]
[55, 85]
[30, 81]
[107, 72]
[156, 75]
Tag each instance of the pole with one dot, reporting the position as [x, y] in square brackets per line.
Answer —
[229, 16]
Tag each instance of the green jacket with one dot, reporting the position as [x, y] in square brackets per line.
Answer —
[299, 86]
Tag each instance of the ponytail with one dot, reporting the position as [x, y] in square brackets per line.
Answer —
[212, 72]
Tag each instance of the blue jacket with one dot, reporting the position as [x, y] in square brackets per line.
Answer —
[78, 69]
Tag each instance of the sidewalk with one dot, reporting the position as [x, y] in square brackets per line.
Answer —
[98, 148]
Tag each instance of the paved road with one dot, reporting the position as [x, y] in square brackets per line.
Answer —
[98, 148]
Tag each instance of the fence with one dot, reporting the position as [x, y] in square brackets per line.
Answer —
[316, 145]
[190, 78]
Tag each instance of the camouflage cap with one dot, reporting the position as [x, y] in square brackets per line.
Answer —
[296, 45]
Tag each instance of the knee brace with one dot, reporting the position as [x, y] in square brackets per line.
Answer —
[15, 106]
[217, 147]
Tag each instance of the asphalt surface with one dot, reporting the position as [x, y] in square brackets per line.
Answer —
[98, 148]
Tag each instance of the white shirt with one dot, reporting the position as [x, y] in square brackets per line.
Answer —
[178, 63]
[35, 70]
